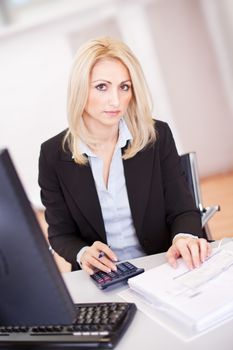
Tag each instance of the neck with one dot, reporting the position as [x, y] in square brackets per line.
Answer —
[101, 140]
[100, 137]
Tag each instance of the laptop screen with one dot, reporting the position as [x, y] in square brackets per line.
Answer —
[31, 287]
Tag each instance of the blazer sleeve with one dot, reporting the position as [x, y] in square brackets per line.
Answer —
[182, 216]
[63, 231]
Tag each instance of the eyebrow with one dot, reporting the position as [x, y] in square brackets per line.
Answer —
[109, 82]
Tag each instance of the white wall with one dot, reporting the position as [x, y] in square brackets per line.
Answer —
[174, 44]
[194, 83]
[34, 69]
[219, 21]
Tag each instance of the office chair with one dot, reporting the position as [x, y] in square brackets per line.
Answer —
[189, 163]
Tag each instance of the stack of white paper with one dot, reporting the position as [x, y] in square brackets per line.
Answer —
[198, 298]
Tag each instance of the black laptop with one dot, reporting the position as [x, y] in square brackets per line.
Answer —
[36, 309]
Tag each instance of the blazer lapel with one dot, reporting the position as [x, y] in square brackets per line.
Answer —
[138, 172]
[80, 183]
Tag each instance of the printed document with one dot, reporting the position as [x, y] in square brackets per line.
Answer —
[198, 298]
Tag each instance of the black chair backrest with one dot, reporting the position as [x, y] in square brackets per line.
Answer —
[189, 164]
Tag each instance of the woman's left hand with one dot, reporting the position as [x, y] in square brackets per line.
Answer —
[194, 251]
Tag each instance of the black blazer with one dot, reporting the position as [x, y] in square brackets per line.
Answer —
[160, 202]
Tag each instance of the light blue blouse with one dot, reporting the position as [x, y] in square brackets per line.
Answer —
[119, 227]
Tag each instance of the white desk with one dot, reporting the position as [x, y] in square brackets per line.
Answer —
[143, 332]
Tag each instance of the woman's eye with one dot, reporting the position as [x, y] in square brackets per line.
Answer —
[101, 87]
[125, 87]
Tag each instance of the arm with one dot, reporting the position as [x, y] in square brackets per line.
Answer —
[182, 214]
[63, 231]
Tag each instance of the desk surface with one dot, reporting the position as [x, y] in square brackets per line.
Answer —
[144, 332]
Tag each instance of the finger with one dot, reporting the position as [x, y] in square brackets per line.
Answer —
[172, 261]
[102, 247]
[91, 261]
[194, 248]
[102, 257]
[172, 256]
[185, 253]
[203, 244]
[87, 269]
[209, 249]
[98, 264]
[108, 263]
[92, 251]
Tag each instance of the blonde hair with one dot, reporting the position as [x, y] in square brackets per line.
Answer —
[138, 116]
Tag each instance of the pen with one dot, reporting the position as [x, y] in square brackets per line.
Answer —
[101, 254]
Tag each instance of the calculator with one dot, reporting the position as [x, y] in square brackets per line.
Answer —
[125, 270]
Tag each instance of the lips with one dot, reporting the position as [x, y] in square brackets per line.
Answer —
[112, 113]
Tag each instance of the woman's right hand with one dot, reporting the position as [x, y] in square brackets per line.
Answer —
[98, 256]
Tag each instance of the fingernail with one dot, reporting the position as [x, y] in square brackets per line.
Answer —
[173, 263]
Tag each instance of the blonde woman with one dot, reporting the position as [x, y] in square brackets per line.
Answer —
[112, 184]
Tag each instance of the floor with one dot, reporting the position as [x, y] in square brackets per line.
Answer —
[219, 190]
[216, 189]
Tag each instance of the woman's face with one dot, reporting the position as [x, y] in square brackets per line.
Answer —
[110, 92]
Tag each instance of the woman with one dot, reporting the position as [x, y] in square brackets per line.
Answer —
[112, 184]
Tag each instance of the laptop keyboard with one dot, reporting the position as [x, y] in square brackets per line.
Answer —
[96, 324]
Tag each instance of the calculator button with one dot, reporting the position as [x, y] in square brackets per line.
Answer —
[119, 272]
[105, 276]
[122, 268]
[97, 278]
[129, 265]
[113, 274]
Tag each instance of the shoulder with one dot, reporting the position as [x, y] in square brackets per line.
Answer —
[161, 127]
[165, 143]
[53, 147]
[163, 132]
[55, 140]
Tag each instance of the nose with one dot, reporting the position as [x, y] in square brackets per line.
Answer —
[114, 100]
